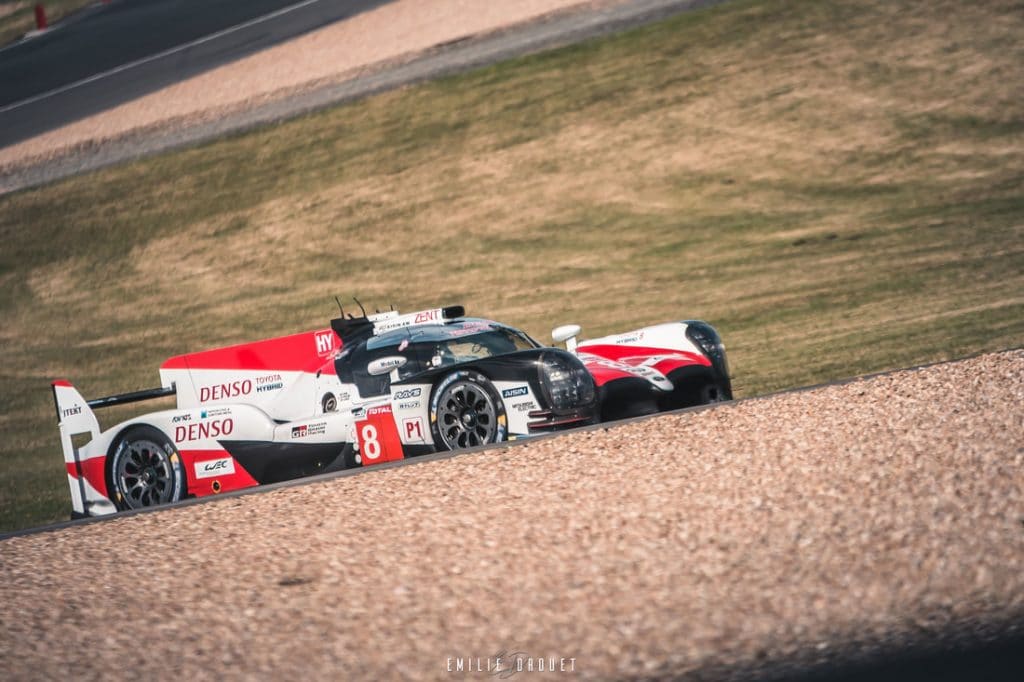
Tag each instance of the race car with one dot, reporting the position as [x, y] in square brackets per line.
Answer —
[370, 389]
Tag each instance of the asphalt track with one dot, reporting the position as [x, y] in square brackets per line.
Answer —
[550, 32]
[110, 54]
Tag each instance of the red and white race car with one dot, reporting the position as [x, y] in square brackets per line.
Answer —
[370, 389]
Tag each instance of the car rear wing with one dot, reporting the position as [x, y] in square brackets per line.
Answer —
[133, 397]
[79, 426]
[74, 411]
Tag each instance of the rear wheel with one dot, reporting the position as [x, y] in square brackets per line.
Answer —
[466, 412]
[145, 469]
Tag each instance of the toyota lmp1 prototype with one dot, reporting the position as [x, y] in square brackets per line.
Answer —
[370, 389]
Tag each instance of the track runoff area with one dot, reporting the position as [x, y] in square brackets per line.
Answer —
[436, 456]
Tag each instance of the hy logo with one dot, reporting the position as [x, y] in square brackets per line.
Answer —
[324, 342]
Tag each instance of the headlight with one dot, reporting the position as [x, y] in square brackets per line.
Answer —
[704, 336]
[566, 382]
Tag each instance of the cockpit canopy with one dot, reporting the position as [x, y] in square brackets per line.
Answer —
[426, 348]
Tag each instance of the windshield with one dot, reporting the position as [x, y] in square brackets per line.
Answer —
[497, 341]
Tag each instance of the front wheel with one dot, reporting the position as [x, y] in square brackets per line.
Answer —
[466, 411]
[145, 469]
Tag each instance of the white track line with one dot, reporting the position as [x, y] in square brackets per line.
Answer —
[159, 55]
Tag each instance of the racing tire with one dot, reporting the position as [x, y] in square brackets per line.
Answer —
[465, 411]
[145, 470]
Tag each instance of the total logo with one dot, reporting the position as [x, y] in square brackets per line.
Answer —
[204, 430]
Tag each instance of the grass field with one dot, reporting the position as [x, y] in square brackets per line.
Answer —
[836, 186]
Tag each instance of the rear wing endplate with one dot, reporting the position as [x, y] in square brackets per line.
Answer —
[76, 421]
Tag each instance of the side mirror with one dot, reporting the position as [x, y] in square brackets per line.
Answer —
[568, 334]
[385, 365]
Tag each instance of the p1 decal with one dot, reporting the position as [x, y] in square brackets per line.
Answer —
[378, 436]
[413, 430]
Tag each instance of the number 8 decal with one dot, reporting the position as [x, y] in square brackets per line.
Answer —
[371, 446]
[378, 436]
